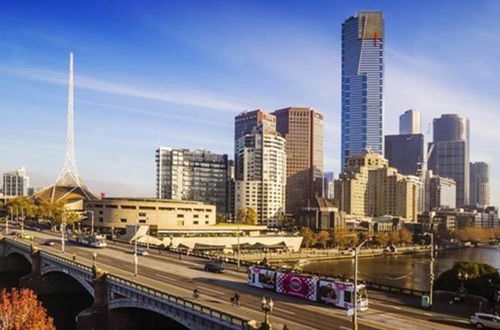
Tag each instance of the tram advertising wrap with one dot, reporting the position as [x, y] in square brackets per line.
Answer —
[296, 285]
[262, 278]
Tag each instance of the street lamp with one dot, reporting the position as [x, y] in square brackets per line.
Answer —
[63, 225]
[91, 223]
[355, 301]
[238, 242]
[267, 308]
[136, 261]
[431, 268]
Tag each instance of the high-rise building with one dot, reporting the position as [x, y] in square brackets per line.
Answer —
[16, 183]
[302, 129]
[260, 159]
[362, 84]
[405, 152]
[449, 153]
[369, 187]
[230, 191]
[328, 185]
[441, 193]
[479, 184]
[192, 175]
[409, 122]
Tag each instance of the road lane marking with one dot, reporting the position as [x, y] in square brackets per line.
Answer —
[284, 310]
[428, 314]
[345, 328]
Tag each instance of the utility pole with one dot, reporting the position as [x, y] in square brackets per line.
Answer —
[355, 291]
[431, 269]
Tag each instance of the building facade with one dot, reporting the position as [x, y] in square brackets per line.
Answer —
[409, 122]
[159, 214]
[197, 175]
[320, 215]
[449, 153]
[369, 187]
[479, 184]
[405, 152]
[328, 185]
[362, 84]
[441, 193]
[302, 129]
[16, 183]
[261, 173]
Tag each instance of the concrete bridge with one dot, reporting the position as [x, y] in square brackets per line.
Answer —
[109, 292]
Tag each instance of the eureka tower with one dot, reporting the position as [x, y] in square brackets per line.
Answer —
[362, 84]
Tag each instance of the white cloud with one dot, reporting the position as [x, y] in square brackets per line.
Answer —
[196, 98]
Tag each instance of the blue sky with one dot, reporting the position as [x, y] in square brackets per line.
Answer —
[174, 73]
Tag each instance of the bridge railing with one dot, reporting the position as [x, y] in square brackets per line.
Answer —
[226, 317]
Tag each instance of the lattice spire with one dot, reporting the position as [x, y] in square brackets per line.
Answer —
[69, 175]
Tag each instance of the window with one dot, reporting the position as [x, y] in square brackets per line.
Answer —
[101, 219]
[196, 216]
[142, 220]
[123, 220]
[195, 222]
[128, 207]
[180, 215]
[111, 206]
[147, 208]
[142, 214]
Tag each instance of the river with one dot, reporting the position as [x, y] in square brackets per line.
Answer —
[408, 271]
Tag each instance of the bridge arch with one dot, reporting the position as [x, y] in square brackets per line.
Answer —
[126, 303]
[54, 269]
[24, 254]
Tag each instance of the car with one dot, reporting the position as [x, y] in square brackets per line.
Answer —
[484, 320]
[49, 242]
[214, 267]
[142, 252]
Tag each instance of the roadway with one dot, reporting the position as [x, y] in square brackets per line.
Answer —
[180, 277]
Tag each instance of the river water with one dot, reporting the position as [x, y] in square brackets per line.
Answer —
[408, 271]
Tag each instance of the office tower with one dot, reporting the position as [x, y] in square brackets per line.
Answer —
[479, 184]
[260, 160]
[362, 84]
[328, 185]
[369, 187]
[441, 193]
[449, 153]
[16, 183]
[405, 152]
[409, 122]
[192, 175]
[302, 129]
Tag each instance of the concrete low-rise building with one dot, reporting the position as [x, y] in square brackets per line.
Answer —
[159, 214]
[321, 215]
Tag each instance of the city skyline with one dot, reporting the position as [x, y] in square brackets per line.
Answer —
[109, 104]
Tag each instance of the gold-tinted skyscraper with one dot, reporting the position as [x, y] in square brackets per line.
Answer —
[302, 128]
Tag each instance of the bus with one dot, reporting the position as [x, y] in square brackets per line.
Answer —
[329, 291]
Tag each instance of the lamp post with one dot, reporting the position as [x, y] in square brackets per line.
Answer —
[355, 300]
[7, 223]
[267, 308]
[91, 223]
[136, 261]
[431, 269]
[63, 225]
[238, 242]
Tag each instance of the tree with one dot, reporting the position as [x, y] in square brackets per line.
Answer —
[322, 238]
[20, 309]
[478, 278]
[382, 239]
[308, 235]
[52, 211]
[405, 236]
[394, 237]
[251, 216]
[240, 215]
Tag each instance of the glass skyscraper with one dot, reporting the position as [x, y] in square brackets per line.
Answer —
[362, 84]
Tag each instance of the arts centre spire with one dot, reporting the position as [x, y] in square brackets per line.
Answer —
[68, 186]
